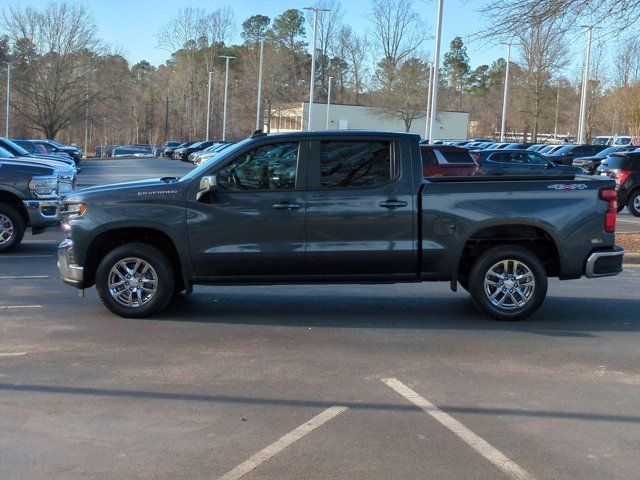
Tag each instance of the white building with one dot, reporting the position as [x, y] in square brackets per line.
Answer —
[448, 125]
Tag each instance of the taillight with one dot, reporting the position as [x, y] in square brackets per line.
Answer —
[620, 176]
[610, 195]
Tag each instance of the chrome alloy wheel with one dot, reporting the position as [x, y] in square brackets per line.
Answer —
[6, 229]
[636, 203]
[132, 282]
[509, 284]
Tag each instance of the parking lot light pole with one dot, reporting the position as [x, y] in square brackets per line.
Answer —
[585, 86]
[226, 91]
[208, 107]
[506, 93]
[6, 125]
[436, 66]
[328, 102]
[426, 126]
[315, 11]
[258, 126]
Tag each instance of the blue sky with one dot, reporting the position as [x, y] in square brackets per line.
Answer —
[131, 25]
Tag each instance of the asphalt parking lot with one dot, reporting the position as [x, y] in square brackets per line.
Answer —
[292, 382]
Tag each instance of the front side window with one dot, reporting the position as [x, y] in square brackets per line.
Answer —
[536, 159]
[269, 167]
[359, 164]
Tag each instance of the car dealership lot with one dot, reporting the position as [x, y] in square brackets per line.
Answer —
[229, 371]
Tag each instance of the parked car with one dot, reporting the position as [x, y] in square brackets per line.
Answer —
[39, 149]
[18, 151]
[590, 164]
[518, 146]
[536, 147]
[66, 173]
[603, 140]
[549, 149]
[54, 147]
[566, 154]
[624, 168]
[518, 162]
[361, 212]
[28, 199]
[183, 153]
[209, 153]
[170, 146]
[446, 160]
[622, 140]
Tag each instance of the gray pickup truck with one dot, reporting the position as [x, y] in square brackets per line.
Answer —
[337, 207]
[29, 197]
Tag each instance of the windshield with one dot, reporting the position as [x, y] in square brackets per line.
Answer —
[206, 166]
[563, 150]
[21, 151]
[607, 151]
[6, 153]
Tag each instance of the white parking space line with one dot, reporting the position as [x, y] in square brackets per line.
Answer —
[23, 277]
[283, 442]
[16, 354]
[16, 307]
[476, 442]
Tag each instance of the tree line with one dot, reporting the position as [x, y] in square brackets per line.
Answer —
[65, 78]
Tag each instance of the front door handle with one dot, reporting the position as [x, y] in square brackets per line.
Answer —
[393, 204]
[286, 206]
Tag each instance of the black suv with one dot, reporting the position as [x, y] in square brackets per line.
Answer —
[518, 162]
[624, 168]
[184, 152]
[566, 154]
[590, 164]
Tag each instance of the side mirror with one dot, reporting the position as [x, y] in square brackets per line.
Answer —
[208, 184]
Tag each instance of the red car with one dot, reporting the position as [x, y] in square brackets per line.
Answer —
[447, 161]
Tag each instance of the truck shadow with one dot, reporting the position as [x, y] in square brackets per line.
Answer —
[558, 317]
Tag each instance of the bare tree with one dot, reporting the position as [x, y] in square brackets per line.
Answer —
[354, 53]
[398, 32]
[328, 30]
[543, 50]
[53, 83]
[627, 63]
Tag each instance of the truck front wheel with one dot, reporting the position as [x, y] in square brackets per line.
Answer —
[135, 280]
[11, 228]
[508, 282]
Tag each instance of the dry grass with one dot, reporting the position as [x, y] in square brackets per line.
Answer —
[629, 241]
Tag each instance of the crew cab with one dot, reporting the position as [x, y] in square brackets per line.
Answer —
[337, 207]
[29, 198]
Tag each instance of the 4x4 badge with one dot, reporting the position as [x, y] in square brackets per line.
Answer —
[568, 186]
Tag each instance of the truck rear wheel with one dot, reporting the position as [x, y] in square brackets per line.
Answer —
[12, 228]
[135, 280]
[634, 203]
[508, 283]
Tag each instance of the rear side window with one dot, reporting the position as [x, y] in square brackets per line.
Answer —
[457, 157]
[428, 157]
[28, 146]
[349, 164]
[508, 157]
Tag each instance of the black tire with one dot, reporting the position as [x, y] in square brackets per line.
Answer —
[160, 269]
[530, 296]
[634, 203]
[619, 208]
[12, 228]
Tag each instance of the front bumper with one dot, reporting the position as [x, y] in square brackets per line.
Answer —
[70, 273]
[604, 263]
[43, 213]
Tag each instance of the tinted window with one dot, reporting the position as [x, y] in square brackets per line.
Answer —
[536, 159]
[428, 157]
[563, 150]
[457, 157]
[354, 164]
[5, 154]
[269, 167]
[508, 157]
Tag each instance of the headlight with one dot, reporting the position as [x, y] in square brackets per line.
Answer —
[44, 186]
[73, 209]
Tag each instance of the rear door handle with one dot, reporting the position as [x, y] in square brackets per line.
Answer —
[286, 206]
[393, 204]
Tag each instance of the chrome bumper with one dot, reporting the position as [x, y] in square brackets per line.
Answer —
[70, 273]
[604, 263]
[43, 213]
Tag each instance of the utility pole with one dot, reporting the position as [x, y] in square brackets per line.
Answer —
[315, 11]
[6, 125]
[426, 127]
[209, 106]
[259, 102]
[166, 118]
[86, 124]
[555, 123]
[328, 102]
[226, 87]
[585, 86]
[506, 93]
[436, 67]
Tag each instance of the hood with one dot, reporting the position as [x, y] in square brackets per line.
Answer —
[62, 167]
[153, 187]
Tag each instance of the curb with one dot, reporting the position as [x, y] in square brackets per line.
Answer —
[631, 258]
